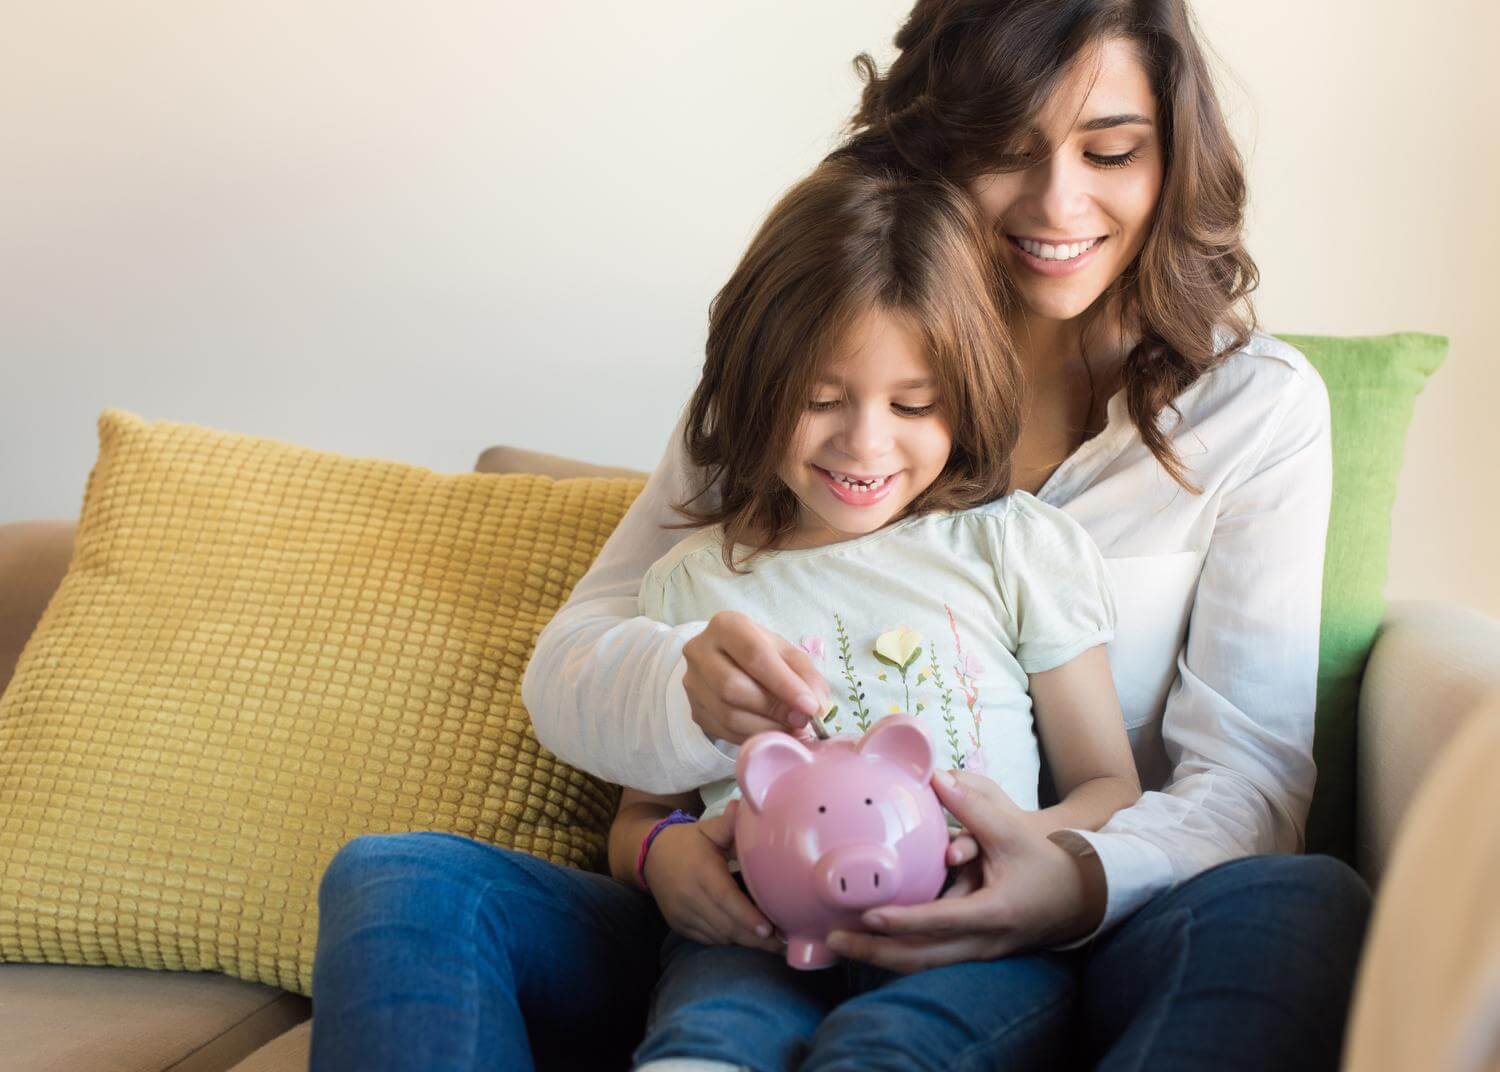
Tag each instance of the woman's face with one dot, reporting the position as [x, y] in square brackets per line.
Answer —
[1076, 218]
[873, 417]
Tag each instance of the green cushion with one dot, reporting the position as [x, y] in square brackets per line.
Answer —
[1373, 383]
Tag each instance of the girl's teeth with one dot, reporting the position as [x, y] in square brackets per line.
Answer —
[1043, 251]
[870, 485]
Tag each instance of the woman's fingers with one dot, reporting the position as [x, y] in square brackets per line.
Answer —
[961, 850]
[912, 955]
[945, 917]
[977, 802]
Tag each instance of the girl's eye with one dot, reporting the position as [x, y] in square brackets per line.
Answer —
[909, 411]
[1122, 160]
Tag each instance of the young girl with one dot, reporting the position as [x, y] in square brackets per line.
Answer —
[857, 412]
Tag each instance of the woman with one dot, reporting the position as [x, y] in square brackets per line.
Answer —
[1196, 454]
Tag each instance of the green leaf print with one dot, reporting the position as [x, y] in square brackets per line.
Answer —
[950, 725]
[856, 687]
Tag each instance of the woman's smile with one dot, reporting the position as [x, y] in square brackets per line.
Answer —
[1054, 258]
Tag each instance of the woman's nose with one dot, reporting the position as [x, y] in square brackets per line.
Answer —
[1059, 189]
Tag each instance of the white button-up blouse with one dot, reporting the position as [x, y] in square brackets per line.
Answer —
[1215, 653]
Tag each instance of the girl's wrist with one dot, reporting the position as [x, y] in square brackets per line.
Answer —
[677, 816]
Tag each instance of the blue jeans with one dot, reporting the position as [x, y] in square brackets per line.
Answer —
[438, 952]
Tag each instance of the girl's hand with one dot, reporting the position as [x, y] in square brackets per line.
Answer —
[1020, 891]
[743, 679]
[687, 869]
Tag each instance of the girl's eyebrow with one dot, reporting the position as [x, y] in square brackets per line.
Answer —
[912, 385]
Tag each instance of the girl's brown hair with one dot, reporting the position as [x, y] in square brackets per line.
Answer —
[966, 87]
[846, 240]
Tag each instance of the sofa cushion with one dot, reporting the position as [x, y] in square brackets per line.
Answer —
[1373, 385]
[63, 1019]
[290, 1052]
[258, 652]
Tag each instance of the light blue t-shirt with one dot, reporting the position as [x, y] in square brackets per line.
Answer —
[942, 615]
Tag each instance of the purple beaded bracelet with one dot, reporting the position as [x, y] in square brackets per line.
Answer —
[678, 816]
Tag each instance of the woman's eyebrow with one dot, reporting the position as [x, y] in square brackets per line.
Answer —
[1106, 122]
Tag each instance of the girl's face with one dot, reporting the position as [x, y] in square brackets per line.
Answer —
[1077, 217]
[874, 418]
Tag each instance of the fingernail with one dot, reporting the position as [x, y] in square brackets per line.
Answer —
[763, 931]
[946, 777]
[835, 942]
[875, 921]
[807, 704]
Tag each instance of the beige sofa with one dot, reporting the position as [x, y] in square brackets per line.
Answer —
[1432, 667]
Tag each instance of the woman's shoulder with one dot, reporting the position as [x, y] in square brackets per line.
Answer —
[1262, 385]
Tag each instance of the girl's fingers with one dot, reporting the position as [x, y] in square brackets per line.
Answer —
[744, 921]
[759, 656]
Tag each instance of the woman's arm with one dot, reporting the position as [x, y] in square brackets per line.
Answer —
[1082, 732]
[1238, 724]
[604, 685]
[630, 699]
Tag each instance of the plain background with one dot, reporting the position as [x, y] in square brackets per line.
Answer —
[411, 231]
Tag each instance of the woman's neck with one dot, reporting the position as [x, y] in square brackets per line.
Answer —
[1053, 352]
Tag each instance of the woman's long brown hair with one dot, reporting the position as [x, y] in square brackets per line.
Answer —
[846, 240]
[969, 80]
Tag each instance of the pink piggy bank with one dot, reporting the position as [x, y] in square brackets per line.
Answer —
[830, 829]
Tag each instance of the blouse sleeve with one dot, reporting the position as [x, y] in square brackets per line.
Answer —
[1238, 723]
[604, 684]
[1054, 583]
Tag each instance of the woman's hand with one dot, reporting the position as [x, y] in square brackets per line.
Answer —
[743, 679]
[687, 869]
[1017, 890]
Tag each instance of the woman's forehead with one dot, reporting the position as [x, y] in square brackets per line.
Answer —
[1107, 87]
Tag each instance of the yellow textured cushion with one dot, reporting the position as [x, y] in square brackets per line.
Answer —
[259, 652]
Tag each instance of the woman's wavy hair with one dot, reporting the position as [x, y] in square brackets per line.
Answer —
[846, 240]
[967, 85]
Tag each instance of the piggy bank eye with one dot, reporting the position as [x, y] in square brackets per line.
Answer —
[822, 807]
[868, 800]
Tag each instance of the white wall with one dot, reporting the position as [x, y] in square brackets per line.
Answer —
[411, 231]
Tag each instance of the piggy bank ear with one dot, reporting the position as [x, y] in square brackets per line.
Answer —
[764, 758]
[900, 739]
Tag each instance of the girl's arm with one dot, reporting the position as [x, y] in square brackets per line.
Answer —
[637, 814]
[1082, 731]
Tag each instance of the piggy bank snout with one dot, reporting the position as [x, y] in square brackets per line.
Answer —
[858, 876]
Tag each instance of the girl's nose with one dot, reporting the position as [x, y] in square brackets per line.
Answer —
[867, 433]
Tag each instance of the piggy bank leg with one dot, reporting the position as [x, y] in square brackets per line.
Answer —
[809, 954]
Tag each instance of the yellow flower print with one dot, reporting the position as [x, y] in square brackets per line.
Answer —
[898, 646]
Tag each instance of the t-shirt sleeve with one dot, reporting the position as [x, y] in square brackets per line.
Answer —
[1054, 582]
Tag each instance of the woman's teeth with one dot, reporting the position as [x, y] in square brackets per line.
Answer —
[862, 485]
[1045, 252]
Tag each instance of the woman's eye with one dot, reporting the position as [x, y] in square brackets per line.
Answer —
[915, 411]
[1119, 160]
[818, 407]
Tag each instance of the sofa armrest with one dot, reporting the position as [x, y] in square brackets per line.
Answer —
[34, 555]
[1432, 667]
